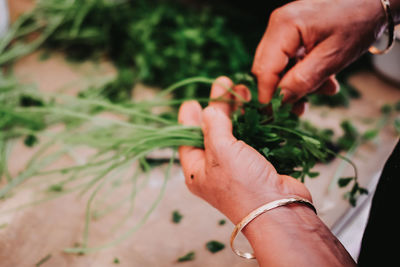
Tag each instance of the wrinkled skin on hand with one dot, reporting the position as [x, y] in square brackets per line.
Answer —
[230, 175]
[323, 35]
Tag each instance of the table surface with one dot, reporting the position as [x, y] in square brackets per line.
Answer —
[28, 235]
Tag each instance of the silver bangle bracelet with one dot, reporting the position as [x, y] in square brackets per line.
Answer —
[254, 214]
[390, 29]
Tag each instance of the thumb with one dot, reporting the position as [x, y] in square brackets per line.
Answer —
[217, 129]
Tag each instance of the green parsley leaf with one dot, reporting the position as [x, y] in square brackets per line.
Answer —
[43, 260]
[397, 125]
[176, 216]
[370, 134]
[344, 181]
[56, 188]
[188, 257]
[214, 246]
[386, 109]
[30, 140]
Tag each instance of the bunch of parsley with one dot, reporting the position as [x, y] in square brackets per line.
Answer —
[274, 131]
[292, 147]
[160, 41]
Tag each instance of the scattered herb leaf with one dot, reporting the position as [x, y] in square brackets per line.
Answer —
[370, 134]
[176, 216]
[386, 109]
[397, 106]
[344, 181]
[188, 257]
[349, 137]
[56, 188]
[30, 140]
[214, 246]
[397, 125]
[43, 260]
[353, 194]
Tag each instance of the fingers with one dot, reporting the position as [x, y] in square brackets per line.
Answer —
[243, 94]
[192, 159]
[299, 108]
[217, 130]
[311, 73]
[287, 39]
[219, 89]
[329, 87]
[280, 42]
[190, 113]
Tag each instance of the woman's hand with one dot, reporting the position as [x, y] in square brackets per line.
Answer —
[236, 179]
[230, 175]
[326, 35]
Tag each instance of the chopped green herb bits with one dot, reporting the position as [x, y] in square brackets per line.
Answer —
[214, 246]
[176, 216]
[188, 257]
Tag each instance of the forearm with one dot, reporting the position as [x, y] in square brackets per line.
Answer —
[294, 236]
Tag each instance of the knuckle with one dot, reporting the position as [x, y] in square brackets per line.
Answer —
[285, 14]
[301, 82]
[221, 148]
[240, 143]
[238, 147]
[257, 68]
[276, 15]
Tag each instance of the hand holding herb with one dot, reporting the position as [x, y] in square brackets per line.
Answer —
[276, 144]
[228, 173]
[236, 179]
[295, 32]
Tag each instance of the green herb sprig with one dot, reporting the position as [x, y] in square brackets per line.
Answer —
[274, 131]
[128, 139]
[190, 256]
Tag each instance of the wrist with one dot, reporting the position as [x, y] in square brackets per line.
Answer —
[298, 230]
[287, 228]
[246, 205]
[280, 187]
[294, 217]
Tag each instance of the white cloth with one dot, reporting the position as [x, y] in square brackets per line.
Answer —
[350, 229]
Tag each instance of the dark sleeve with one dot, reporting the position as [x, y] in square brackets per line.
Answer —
[380, 243]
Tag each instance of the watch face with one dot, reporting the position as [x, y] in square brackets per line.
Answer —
[3, 17]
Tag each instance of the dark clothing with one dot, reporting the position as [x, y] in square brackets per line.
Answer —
[380, 243]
